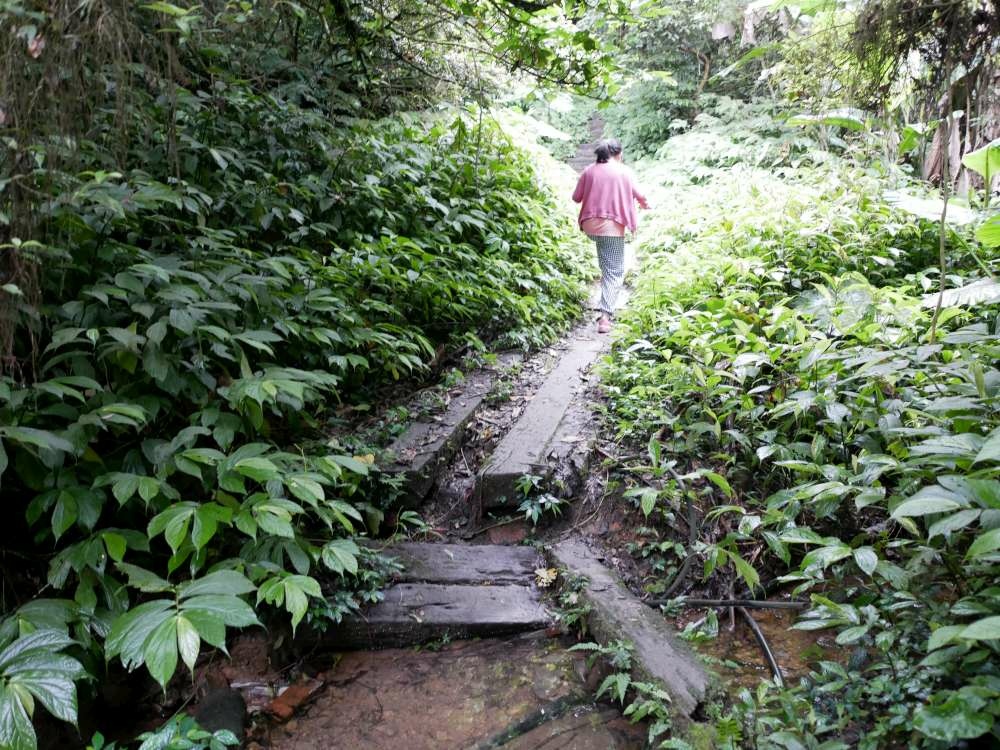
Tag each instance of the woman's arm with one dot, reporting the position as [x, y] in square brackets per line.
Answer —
[578, 193]
[639, 196]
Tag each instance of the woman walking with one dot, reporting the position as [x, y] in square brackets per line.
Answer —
[607, 192]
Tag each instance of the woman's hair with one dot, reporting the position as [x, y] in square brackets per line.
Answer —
[606, 149]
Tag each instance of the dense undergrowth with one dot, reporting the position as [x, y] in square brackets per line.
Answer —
[210, 294]
[779, 363]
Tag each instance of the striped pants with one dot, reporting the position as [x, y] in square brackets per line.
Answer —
[611, 259]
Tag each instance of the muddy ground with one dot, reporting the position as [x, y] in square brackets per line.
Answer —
[523, 692]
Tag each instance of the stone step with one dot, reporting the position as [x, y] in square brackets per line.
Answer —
[414, 613]
[546, 432]
[488, 564]
[617, 614]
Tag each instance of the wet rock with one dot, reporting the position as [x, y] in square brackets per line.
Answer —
[222, 708]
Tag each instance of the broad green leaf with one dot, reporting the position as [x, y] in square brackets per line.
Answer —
[953, 720]
[16, 731]
[825, 556]
[351, 464]
[866, 559]
[130, 631]
[985, 543]
[65, 513]
[991, 448]
[206, 522]
[987, 629]
[37, 438]
[988, 233]
[984, 161]
[719, 481]
[142, 579]
[943, 636]
[115, 544]
[210, 627]
[801, 535]
[897, 577]
[188, 641]
[955, 522]
[220, 582]
[47, 614]
[124, 487]
[258, 469]
[32, 669]
[926, 504]
[28, 646]
[160, 651]
[305, 489]
[167, 8]
[849, 119]
[745, 570]
[231, 610]
[340, 556]
[852, 635]
[293, 591]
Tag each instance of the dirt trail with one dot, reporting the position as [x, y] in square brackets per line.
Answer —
[518, 691]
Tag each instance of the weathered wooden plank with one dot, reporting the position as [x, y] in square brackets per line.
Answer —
[413, 613]
[525, 448]
[425, 562]
[617, 614]
[426, 447]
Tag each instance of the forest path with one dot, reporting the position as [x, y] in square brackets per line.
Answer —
[584, 155]
[522, 431]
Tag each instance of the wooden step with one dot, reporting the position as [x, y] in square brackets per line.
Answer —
[414, 613]
[449, 591]
[488, 564]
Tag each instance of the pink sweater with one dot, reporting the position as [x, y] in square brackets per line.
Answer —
[609, 191]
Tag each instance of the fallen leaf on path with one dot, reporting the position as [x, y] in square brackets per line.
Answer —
[545, 577]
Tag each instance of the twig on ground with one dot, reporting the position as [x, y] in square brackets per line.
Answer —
[484, 529]
[748, 603]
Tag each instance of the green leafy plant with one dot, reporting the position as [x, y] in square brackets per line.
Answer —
[33, 669]
[183, 733]
[536, 503]
[189, 312]
[649, 702]
[784, 342]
